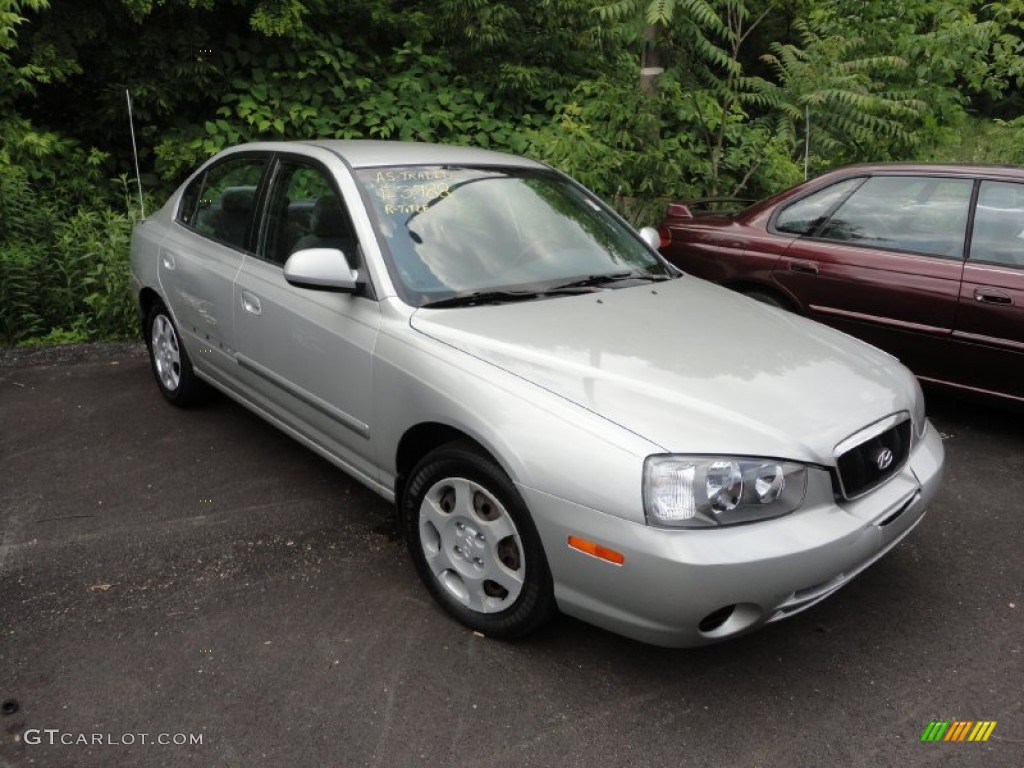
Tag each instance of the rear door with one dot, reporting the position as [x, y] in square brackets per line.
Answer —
[885, 264]
[201, 255]
[990, 322]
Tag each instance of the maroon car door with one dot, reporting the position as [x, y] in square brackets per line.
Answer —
[886, 265]
[990, 323]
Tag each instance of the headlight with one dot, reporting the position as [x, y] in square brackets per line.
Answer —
[707, 491]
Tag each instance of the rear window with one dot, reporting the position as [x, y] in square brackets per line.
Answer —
[220, 203]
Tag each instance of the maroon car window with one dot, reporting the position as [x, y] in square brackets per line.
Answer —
[923, 214]
[805, 216]
[998, 235]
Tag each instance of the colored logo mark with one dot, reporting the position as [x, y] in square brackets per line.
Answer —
[958, 730]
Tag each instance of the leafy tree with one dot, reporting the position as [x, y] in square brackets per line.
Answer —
[855, 112]
[18, 74]
[958, 55]
[644, 100]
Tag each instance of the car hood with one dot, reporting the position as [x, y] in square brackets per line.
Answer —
[689, 366]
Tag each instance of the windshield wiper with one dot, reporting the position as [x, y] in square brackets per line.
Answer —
[571, 288]
[482, 297]
[609, 277]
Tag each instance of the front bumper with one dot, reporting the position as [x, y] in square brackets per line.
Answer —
[692, 587]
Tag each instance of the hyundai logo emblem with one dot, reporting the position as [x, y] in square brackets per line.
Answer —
[884, 459]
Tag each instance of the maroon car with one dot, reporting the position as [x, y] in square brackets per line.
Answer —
[924, 261]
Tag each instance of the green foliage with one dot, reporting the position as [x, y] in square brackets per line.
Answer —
[317, 89]
[953, 54]
[701, 13]
[63, 248]
[604, 138]
[983, 141]
[558, 80]
[529, 51]
[848, 104]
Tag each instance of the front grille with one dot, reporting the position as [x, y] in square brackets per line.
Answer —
[864, 466]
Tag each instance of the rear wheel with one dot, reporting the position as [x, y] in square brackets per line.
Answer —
[171, 365]
[474, 544]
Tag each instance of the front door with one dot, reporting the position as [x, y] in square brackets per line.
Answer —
[308, 353]
[886, 265]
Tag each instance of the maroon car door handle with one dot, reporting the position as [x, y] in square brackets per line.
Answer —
[992, 296]
[803, 267]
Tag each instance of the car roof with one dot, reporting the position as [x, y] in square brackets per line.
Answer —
[953, 170]
[942, 169]
[361, 153]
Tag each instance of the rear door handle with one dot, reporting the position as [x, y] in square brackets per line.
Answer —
[803, 267]
[250, 302]
[992, 296]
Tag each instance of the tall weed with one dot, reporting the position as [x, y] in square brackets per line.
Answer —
[63, 243]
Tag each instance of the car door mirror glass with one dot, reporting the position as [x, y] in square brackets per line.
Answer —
[324, 269]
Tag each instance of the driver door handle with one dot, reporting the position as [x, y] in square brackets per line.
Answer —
[992, 296]
[250, 302]
[803, 267]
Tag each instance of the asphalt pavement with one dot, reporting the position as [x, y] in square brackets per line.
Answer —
[195, 588]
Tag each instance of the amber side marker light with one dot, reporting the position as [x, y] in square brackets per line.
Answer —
[616, 558]
[665, 234]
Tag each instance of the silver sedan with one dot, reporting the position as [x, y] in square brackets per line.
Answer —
[563, 420]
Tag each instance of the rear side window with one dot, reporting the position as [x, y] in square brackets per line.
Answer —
[221, 202]
[923, 214]
[805, 216]
[998, 236]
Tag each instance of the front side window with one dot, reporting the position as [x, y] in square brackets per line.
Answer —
[922, 214]
[220, 203]
[998, 236]
[453, 230]
[305, 212]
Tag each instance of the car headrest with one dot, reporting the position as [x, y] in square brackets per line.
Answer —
[237, 198]
[329, 219]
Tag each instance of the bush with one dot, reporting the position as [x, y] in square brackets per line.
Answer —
[985, 141]
[63, 242]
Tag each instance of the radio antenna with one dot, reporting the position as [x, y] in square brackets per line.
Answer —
[135, 152]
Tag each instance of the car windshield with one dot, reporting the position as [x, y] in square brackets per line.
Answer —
[461, 231]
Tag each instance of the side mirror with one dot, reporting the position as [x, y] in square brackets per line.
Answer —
[322, 269]
[651, 237]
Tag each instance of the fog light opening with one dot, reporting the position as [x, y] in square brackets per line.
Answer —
[715, 619]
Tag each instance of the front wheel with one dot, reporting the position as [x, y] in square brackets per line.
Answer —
[474, 544]
[171, 365]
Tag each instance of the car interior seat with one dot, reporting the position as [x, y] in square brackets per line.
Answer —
[235, 213]
[331, 229]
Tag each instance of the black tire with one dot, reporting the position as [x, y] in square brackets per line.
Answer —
[464, 521]
[767, 298]
[169, 361]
